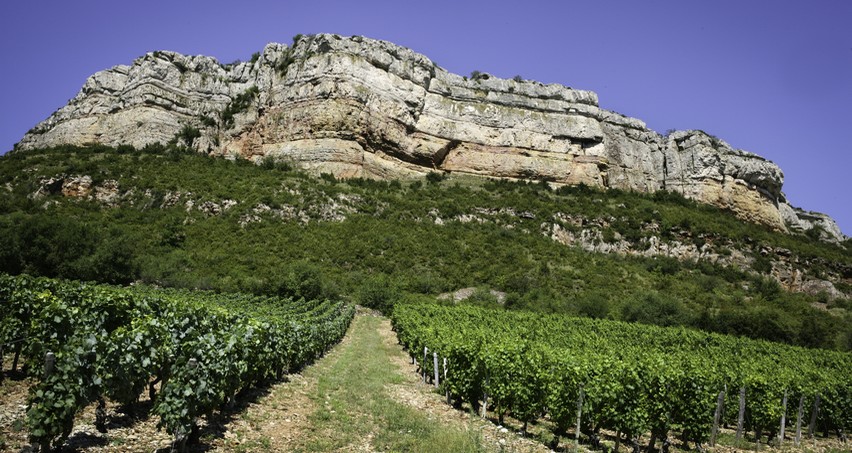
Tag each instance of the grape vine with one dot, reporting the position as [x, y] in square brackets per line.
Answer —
[635, 379]
[111, 342]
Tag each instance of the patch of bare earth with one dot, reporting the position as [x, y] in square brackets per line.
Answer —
[128, 431]
[275, 422]
[13, 407]
[264, 419]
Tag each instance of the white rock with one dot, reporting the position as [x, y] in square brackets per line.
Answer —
[358, 107]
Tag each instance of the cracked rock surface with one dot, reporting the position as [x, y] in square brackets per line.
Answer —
[358, 107]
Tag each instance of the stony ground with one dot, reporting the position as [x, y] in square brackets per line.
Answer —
[365, 396]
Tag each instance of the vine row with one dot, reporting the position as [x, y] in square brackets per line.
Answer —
[628, 378]
[192, 350]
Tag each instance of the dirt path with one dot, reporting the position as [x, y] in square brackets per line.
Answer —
[363, 396]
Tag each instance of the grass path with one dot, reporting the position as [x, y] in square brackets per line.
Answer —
[363, 396]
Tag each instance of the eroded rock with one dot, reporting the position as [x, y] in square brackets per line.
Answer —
[357, 107]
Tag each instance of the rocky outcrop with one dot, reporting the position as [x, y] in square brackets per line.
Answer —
[800, 220]
[466, 293]
[357, 107]
[791, 272]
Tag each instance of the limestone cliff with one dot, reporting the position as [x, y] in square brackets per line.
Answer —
[357, 107]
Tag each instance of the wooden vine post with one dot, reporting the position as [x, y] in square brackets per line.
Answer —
[435, 362]
[783, 418]
[799, 420]
[716, 417]
[49, 364]
[741, 415]
[449, 400]
[17, 356]
[579, 418]
[485, 396]
[423, 367]
[812, 426]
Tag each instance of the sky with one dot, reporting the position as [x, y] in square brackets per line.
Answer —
[769, 77]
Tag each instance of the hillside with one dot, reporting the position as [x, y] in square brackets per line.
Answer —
[172, 217]
[340, 245]
[358, 107]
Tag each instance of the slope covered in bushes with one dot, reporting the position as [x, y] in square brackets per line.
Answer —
[172, 218]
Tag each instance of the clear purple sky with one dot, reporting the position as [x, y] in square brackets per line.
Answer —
[770, 77]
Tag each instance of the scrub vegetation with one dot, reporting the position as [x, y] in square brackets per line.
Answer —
[179, 219]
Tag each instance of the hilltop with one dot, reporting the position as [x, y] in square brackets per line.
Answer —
[357, 107]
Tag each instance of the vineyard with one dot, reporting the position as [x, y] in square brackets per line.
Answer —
[586, 375]
[193, 351]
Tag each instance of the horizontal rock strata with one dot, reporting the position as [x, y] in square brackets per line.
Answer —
[357, 107]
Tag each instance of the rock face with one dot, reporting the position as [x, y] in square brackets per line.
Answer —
[357, 107]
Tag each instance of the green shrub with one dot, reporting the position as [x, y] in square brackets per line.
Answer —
[477, 75]
[594, 305]
[66, 248]
[270, 162]
[656, 308]
[379, 293]
[434, 177]
[766, 287]
[301, 279]
[762, 264]
[844, 304]
[815, 233]
[239, 104]
[187, 135]
[664, 265]
[208, 121]
[284, 63]
[483, 297]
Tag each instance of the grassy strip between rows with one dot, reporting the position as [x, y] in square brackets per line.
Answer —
[354, 404]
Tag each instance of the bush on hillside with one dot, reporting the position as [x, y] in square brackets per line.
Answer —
[656, 308]
[379, 293]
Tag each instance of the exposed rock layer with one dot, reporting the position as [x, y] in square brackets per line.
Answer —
[357, 107]
[796, 273]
